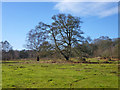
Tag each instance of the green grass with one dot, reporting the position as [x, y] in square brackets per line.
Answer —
[48, 75]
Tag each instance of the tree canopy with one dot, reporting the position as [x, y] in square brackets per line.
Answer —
[66, 32]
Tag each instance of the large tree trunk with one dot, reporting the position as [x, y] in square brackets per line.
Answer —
[67, 58]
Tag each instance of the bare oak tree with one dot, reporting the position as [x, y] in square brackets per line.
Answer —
[66, 32]
[36, 37]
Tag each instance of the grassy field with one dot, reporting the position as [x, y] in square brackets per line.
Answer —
[32, 74]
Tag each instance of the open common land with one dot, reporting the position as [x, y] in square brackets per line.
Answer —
[49, 74]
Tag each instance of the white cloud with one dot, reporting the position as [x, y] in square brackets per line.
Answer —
[100, 9]
[109, 12]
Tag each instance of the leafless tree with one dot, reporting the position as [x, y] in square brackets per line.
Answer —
[6, 46]
[36, 37]
[7, 51]
[66, 32]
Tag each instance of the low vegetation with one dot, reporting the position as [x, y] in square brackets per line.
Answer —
[51, 74]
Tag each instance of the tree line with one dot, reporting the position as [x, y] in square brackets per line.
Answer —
[63, 38]
[101, 47]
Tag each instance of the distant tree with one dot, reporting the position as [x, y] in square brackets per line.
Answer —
[66, 32]
[45, 49]
[6, 46]
[23, 54]
[16, 54]
[115, 48]
[84, 49]
[36, 37]
[104, 46]
[12, 54]
[7, 51]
